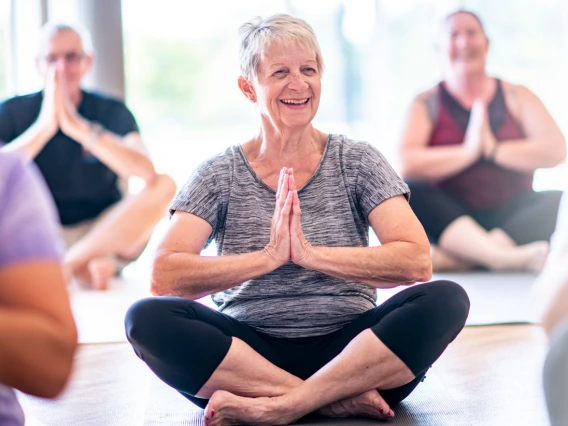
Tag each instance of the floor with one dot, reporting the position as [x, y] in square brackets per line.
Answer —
[493, 371]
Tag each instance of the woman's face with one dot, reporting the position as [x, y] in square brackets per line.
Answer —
[465, 44]
[288, 85]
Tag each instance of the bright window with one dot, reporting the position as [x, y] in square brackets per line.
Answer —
[181, 67]
[4, 47]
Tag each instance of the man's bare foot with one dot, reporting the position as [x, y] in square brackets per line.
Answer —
[101, 270]
[444, 262]
[225, 408]
[368, 404]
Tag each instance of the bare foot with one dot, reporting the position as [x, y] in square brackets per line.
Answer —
[101, 270]
[444, 262]
[500, 237]
[527, 257]
[368, 404]
[225, 408]
[537, 253]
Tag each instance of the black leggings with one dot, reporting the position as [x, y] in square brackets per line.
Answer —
[527, 218]
[183, 342]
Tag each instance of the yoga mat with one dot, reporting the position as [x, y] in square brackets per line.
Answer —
[430, 404]
[496, 297]
[99, 315]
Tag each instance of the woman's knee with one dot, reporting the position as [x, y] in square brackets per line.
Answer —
[151, 316]
[450, 300]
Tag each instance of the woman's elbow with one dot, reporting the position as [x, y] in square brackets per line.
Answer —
[556, 153]
[421, 268]
[161, 280]
[561, 151]
[158, 282]
[53, 376]
[54, 381]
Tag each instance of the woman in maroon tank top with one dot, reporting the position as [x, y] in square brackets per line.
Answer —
[469, 150]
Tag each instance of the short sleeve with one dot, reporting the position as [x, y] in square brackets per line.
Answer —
[377, 181]
[121, 121]
[29, 229]
[200, 196]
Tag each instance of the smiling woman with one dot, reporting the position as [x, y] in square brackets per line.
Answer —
[295, 280]
[287, 92]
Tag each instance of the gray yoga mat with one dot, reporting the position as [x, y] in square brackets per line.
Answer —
[496, 298]
[430, 404]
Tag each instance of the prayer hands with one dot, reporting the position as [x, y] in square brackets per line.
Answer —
[479, 137]
[47, 118]
[58, 110]
[287, 240]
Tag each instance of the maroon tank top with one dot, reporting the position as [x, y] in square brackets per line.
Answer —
[483, 185]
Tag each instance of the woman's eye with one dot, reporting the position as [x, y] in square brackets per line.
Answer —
[280, 72]
[309, 70]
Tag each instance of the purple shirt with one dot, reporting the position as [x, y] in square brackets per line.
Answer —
[29, 232]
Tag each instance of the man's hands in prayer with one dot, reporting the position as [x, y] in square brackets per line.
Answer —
[47, 119]
[287, 240]
[70, 121]
[58, 110]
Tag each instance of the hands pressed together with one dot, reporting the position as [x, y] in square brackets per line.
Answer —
[287, 241]
[58, 111]
[479, 137]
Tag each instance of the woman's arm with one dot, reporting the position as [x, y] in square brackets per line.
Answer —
[180, 270]
[37, 331]
[544, 145]
[420, 161]
[402, 258]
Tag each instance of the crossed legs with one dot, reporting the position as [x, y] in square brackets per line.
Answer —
[513, 236]
[241, 376]
[122, 232]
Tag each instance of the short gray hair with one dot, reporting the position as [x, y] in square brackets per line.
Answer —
[50, 29]
[259, 34]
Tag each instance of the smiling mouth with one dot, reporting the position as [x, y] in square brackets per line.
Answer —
[295, 101]
[466, 57]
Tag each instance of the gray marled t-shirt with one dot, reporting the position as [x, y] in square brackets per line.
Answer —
[351, 180]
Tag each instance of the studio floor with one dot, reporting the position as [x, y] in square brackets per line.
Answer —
[489, 376]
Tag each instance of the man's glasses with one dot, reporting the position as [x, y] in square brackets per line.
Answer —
[70, 58]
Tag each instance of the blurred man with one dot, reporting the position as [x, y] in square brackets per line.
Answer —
[82, 143]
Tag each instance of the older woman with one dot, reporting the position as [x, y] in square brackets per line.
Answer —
[297, 328]
[469, 150]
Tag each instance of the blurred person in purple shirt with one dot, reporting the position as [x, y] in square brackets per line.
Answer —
[38, 337]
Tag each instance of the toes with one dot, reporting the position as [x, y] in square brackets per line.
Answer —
[208, 413]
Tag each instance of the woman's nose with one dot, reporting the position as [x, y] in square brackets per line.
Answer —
[298, 82]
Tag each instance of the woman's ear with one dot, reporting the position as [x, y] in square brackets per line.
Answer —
[247, 89]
